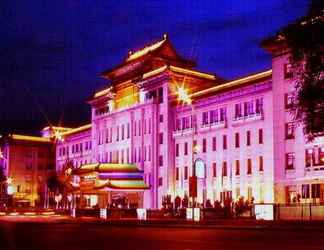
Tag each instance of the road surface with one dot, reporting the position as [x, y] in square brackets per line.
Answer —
[62, 235]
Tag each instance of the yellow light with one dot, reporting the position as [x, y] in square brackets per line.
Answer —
[196, 149]
[183, 95]
[14, 214]
[233, 83]
[48, 213]
[9, 180]
[29, 213]
[2, 213]
[30, 138]
[78, 129]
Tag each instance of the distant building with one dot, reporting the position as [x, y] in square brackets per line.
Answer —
[27, 162]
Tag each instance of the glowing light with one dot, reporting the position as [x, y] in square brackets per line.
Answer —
[192, 72]
[76, 130]
[1, 155]
[30, 138]
[13, 214]
[145, 50]
[9, 180]
[30, 213]
[2, 213]
[48, 213]
[183, 95]
[237, 82]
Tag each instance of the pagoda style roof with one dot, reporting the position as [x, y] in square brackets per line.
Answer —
[147, 59]
[106, 168]
[109, 176]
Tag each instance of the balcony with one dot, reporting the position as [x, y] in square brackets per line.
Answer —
[182, 132]
[248, 118]
[213, 126]
[316, 170]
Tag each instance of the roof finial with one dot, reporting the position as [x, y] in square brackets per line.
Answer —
[130, 52]
[165, 35]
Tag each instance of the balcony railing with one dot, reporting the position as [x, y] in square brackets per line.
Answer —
[248, 118]
[214, 125]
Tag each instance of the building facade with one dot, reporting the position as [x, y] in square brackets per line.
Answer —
[27, 162]
[239, 134]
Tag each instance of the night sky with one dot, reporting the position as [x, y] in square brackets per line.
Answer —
[51, 52]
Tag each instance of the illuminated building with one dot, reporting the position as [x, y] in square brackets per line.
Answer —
[245, 142]
[27, 162]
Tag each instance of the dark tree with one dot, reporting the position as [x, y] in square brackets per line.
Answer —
[305, 41]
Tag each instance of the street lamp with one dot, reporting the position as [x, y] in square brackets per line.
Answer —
[184, 97]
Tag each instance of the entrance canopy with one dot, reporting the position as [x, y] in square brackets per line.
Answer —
[109, 177]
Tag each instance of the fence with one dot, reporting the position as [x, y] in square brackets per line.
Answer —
[299, 211]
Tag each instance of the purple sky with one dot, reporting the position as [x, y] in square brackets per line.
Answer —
[51, 52]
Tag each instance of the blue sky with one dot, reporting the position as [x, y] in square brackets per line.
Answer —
[51, 52]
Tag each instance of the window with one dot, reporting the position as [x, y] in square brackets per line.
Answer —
[161, 160]
[205, 118]
[290, 130]
[248, 138]
[224, 169]
[160, 95]
[117, 133]
[261, 163]
[237, 140]
[214, 169]
[186, 148]
[321, 156]
[309, 157]
[128, 130]
[177, 174]
[222, 114]
[161, 118]
[224, 142]
[288, 72]
[249, 166]
[204, 145]
[214, 144]
[316, 190]
[290, 160]
[134, 128]
[139, 128]
[237, 167]
[289, 100]
[123, 132]
[260, 136]
[150, 152]
[149, 125]
[139, 154]
[185, 172]
[213, 116]
[177, 149]
[259, 106]
[160, 181]
[248, 108]
[238, 110]
[144, 126]
[305, 191]
[161, 138]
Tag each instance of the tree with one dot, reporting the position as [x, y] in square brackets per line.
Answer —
[305, 42]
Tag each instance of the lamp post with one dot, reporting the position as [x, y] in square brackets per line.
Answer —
[185, 98]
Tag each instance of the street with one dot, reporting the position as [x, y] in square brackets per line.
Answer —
[64, 235]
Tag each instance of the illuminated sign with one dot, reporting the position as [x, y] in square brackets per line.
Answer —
[263, 211]
[193, 213]
[141, 213]
[200, 168]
